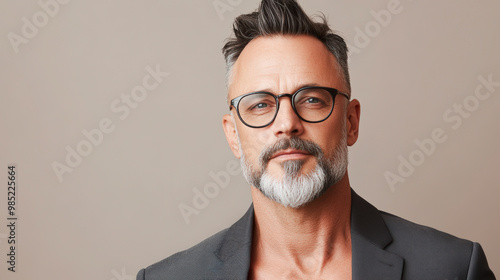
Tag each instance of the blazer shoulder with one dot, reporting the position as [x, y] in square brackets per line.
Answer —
[422, 246]
[422, 237]
[185, 264]
[426, 253]
[224, 253]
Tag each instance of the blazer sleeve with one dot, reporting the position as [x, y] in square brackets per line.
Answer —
[478, 266]
[141, 275]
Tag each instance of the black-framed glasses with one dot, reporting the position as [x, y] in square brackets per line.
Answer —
[311, 104]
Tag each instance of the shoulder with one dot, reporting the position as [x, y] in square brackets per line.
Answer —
[426, 253]
[437, 251]
[225, 254]
[407, 232]
[186, 264]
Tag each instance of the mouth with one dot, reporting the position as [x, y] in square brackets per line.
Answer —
[290, 154]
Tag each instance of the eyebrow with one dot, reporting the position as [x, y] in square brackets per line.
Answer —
[296, 88]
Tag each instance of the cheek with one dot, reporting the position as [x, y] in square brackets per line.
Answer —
[328, 137]
[263, 139]
[252, 143]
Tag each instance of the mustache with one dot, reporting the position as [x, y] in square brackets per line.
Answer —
[293, 142]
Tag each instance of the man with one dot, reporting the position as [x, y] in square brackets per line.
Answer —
[291, 120]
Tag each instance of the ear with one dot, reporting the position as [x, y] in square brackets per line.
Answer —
[231, 137]
[353, 114]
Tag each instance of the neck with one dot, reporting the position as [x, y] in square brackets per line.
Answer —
[318, 232]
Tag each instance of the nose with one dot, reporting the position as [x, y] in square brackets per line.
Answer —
[287, 123]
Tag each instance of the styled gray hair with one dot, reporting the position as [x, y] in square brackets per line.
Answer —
[283, 17]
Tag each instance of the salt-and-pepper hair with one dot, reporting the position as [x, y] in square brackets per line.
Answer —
[283, 17]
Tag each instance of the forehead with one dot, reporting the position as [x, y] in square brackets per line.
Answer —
[283, 64]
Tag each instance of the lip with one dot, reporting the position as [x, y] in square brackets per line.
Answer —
[290, 154]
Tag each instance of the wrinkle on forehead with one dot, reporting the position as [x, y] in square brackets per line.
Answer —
[283, 64]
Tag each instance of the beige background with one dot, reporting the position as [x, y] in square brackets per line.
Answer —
[118, 210]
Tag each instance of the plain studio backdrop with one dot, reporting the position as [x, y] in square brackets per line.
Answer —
[111, 112]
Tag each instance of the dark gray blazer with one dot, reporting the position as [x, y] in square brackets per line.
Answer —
[383, 247]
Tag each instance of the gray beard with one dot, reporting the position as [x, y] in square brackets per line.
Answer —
[294, 189]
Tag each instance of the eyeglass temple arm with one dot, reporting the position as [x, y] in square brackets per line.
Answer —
[345, 94]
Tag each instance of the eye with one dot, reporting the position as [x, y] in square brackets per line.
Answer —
[260, 106]
[257, 104]
[312, 100]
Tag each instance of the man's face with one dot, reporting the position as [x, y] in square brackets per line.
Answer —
[283, 64]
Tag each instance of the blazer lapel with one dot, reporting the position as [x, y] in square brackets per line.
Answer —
[369, 237]
[234, 251]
